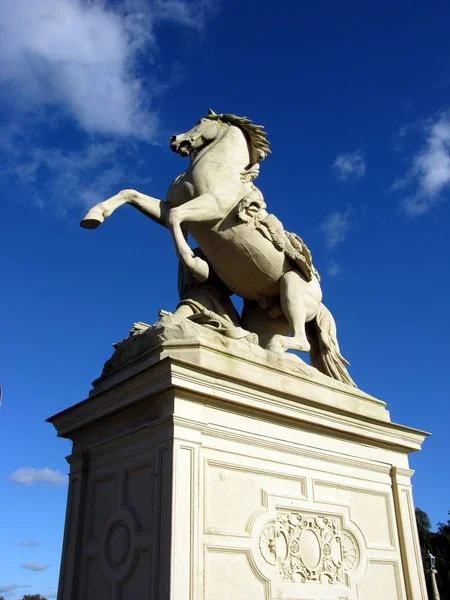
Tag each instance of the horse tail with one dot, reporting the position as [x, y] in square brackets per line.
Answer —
[325, 354]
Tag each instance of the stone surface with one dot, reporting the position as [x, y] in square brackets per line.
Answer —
[238, 358]
[206, 468]
[242, 248]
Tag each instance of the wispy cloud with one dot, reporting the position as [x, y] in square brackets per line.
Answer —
[81, 177]
[11, 588]
[333, 269]
[83, 57]
[30, 476]
[191, 13]
[349, 166]
[78, 80]
[28, 543]
[79, 56]
[335, 227]
[428, 175]
[33, 566]
[63, 178]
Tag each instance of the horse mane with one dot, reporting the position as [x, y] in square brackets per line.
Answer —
[255, 134]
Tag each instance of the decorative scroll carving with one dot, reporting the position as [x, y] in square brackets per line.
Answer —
[309, 548]
[268, 543]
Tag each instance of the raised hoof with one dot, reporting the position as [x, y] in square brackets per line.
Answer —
[92, 219]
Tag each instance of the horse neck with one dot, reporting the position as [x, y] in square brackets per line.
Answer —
[229, 148]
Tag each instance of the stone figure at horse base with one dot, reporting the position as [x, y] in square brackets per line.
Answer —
[242, 249]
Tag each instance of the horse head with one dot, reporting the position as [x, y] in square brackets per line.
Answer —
[210, 127]
[191, 142]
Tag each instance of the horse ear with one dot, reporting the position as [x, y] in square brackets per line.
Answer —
[211, 112]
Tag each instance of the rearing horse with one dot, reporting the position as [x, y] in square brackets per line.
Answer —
[216, 201]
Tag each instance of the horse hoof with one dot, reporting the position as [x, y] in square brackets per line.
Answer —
[276, 345]
[281, 344]
[92, 219]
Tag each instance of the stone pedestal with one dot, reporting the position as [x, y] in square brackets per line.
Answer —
[208, 469]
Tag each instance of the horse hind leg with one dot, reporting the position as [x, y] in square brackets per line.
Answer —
[298, 309]
[258, 320]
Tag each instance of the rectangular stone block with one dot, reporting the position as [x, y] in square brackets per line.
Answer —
[197, 474]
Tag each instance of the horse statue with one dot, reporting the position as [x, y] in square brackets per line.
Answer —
[242, 249]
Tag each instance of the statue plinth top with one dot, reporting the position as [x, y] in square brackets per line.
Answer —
[224, 362]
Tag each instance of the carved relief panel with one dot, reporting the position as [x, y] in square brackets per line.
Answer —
[307, 547]
[291, 536]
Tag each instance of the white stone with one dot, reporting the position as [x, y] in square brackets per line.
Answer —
[213, 470]
[242, 249]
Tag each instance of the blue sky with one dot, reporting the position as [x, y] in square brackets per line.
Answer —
[355, 97]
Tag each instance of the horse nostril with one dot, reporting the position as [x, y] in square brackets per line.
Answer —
[173, 138]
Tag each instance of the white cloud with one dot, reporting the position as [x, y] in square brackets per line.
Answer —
[333, 269]
[89, 62]
[429, 171]
[336, 226]
[82, 56]
[28, 543]
[349, 166]
[10, 588]
[30, 475]
[77, 55]
[33, 566]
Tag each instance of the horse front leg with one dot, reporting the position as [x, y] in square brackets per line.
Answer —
[196, 265]
[156, 210]
[201, 209]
